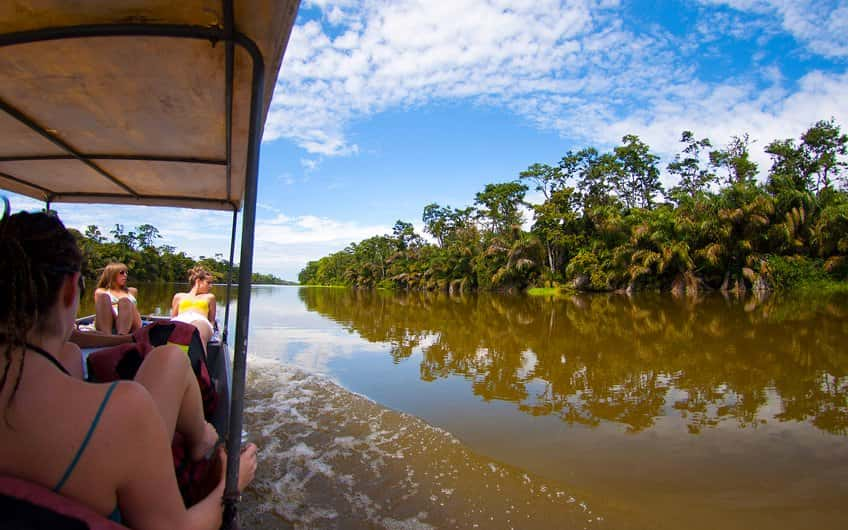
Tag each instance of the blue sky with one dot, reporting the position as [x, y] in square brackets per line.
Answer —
[385, 106]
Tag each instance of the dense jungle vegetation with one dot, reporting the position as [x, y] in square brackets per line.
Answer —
[146, 261]
[606, 223]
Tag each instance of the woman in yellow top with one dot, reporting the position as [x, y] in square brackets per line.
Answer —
[197, 306]
[115, 304]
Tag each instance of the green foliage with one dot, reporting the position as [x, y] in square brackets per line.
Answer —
[600, 227]
[794, 271]
[735, 159]
[498, 205]
[639, 177]
[693, 179]
[147, 262]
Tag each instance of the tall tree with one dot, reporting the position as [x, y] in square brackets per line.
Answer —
[404, 234]
[547, 179]
[596, 176]
[826, 147]
[790, 166]
[556, 225]
[499, 204]
[436, 220]
[640, 177]
[124, 239]
[93, 233]
[693, 178]
[735, 159]
[146, 235]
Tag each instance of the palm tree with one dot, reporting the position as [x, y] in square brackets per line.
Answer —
[737, 232]
[524, 261]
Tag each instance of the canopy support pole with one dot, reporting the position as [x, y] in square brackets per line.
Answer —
[231, 493]
[229, 54]
[230, 277]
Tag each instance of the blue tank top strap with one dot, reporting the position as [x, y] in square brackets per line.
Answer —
[116, 515]
[85, 440]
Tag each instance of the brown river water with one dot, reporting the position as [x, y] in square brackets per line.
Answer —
[375, 409]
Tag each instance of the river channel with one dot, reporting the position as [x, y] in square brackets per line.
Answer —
[376, 409]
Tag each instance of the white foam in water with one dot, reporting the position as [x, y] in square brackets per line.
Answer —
[330, 458]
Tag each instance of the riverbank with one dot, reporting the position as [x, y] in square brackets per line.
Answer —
[817, 287]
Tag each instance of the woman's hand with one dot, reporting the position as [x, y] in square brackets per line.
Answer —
[247, 466]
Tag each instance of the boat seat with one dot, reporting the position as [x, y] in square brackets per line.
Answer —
[25, 505]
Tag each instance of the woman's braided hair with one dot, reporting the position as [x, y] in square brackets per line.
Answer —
[38, 253]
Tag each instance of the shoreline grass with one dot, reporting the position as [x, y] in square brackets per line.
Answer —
[544, 291]
[818, 287]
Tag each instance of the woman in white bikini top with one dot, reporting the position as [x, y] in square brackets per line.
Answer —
[115, 304]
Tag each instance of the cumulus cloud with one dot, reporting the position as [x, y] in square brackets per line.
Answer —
[310, 229]
[409, 53]
[718, 112]
[822, 25]
[573, 67]
[285, 244]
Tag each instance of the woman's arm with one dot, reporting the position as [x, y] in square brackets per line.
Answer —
[175, 304]
[213, 306]
[97, 339]
[133, 291]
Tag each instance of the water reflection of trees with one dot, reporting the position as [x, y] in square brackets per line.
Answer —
[627, 360]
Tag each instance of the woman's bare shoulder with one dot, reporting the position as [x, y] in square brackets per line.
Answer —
[132, 290]
[132, 397]
[131, 416]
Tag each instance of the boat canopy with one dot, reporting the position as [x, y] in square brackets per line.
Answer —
[146, 102]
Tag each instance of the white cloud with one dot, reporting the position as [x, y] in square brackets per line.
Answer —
[408, 53]
[822, 25]
[284, 244]
[571, 67]
[309, 229]
[287, 179]
[309, 164]
[267, 207]
[718, 112]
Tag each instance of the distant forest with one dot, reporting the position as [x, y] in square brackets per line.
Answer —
[148, 262]
[607, 223]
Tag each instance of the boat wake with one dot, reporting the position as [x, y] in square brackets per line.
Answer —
[330, 458]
